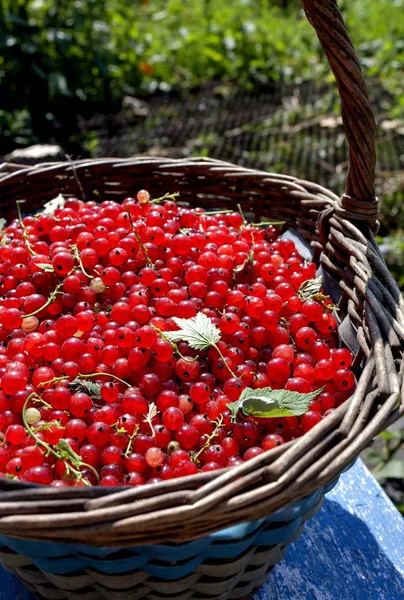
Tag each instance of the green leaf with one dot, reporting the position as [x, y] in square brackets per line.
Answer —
[46, 267]
[310, 288]
[390, 435]
[392, 470]
[199, 332]
[86, 386]
[50, 207]
[267, 403]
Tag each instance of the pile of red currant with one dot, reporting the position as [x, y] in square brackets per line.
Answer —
[93, 389]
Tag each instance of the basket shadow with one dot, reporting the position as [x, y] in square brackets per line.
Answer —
[338, 556]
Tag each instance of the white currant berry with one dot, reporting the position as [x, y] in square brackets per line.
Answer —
[32, 415]
[97, 285]
[143, 196]
[30, 324]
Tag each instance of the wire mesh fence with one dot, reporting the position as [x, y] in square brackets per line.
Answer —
[293, 130]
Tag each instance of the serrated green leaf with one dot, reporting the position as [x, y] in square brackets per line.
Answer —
[267, 403]
[88, 387]
[234, 408]
[50, 207]
[310, 288]
[200, 332]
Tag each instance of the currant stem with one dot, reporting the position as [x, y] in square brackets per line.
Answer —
[149, 262]
[149, 417]
[90, 375]
[131, 438]
[267, 223]
[174, 345]
[35, 398]
[76, 255]
[131, 221]
[24, 231]
[219, 424]
[83, 376]
[184, 358]
[322, 298]
[249, 260]
[240, 210]
[167, 196]
[49, 301]
[47, 426]
[223, 359]
[216, 212]
[4, 240]
[71, 455]
[67, 453]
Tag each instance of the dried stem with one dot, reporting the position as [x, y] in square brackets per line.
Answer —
[219, 425]
[83, 376]
[24, 231]
[49, 301]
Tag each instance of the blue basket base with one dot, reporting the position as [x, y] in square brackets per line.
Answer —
[215, 578]
[230, 564]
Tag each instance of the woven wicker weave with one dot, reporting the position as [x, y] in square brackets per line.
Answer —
[342, 232]
[227, 571]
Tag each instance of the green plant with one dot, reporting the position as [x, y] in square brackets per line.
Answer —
[56, 57]
[73, 57]
[388, 466]
[392, 247]
[386, 458]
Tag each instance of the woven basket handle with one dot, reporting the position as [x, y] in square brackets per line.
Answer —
[359, 202]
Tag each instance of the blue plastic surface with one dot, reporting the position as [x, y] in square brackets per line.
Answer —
[227, 543]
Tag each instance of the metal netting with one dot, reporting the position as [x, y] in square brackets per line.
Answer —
[293, 130]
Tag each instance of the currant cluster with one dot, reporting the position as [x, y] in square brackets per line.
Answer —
[94, 389]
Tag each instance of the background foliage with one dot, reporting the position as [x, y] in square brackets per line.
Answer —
[59, 58]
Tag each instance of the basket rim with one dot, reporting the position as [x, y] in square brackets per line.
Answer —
[193, 506]
[9, 172]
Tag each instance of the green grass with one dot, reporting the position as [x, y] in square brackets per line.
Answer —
[191, 41]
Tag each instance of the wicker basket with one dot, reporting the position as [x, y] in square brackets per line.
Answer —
[218, 534]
